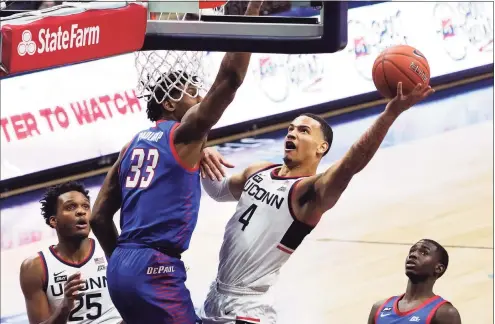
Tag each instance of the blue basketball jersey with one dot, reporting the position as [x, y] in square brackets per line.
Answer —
[160, 197]
[389, 312]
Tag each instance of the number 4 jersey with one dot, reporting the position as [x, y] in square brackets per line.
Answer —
[263, 232]
[95, 306]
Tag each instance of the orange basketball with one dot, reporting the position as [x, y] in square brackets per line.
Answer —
[400, 63]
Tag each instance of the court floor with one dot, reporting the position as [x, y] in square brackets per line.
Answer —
[439, 187]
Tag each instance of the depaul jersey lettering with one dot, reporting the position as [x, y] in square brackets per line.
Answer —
[160, 196]
[389, 312]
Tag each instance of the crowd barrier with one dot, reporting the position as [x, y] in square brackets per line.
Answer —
[94, 104]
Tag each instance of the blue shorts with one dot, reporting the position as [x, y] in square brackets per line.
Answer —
[147, 286]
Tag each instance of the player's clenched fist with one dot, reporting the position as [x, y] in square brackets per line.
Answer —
[72, 289]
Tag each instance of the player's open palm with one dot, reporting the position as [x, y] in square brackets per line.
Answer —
[403, 102]
[72, 289]
[212, 164]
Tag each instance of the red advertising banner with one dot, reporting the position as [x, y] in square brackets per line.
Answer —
[72, 35]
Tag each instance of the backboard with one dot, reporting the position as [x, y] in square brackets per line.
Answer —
[287, 27]
[78, 31]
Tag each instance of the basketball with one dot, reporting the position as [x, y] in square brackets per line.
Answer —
[400, 63]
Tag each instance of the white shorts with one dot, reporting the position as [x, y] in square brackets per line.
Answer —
[237, 308]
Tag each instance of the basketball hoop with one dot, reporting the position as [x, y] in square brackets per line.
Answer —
[166, 74]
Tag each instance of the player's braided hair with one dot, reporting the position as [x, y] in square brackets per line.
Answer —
[49, 200]
[325, 128]
[165, 87]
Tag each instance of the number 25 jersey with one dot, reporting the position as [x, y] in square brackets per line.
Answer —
[96, 305]
[262, 233]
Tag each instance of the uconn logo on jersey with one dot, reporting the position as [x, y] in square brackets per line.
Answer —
[253, 189]
[57, 289]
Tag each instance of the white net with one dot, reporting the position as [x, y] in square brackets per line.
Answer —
[165, 74]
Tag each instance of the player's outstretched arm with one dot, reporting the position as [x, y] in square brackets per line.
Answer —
[324, 190]
[106, 205]
[191, 133]
[446, 314]
[38, 309]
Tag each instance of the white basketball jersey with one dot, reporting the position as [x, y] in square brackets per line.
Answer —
[262, 233]
[95, 306]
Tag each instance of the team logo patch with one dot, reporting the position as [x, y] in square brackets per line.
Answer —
[60, 279]
[100, 260]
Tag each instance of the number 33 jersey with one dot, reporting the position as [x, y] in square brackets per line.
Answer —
[95, 306]
[262, 233]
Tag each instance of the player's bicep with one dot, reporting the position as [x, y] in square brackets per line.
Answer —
[108, 201]
[31, 280]
[199, 119]
[330, 185]
[236, 184]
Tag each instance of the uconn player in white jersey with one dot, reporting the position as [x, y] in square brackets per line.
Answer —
[278, 206]
[66, 283]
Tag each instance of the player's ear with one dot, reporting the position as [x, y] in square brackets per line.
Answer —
[322, 148]
[168, 105]
[439, 269]
[52, 221]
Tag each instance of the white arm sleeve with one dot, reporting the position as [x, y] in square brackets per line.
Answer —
[218, 190]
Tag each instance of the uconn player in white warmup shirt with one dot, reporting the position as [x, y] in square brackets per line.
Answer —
[66, 283]
[278, 206]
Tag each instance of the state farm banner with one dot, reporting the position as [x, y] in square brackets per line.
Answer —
[71, 33]
[84, 111]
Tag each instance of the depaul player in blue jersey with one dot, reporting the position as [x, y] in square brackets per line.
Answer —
[426, 262]
[156, 184]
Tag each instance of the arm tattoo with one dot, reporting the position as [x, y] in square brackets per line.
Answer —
[365, 148]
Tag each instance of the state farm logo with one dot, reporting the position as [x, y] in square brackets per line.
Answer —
[26, 45]
[58, 39]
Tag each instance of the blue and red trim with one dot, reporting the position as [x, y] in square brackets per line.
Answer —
[174, 150]
[434, 310]
[426, 302]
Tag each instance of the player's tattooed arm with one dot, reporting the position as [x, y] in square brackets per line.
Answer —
[32, 285]
[107, 203]
[325, 190]
[192, 131]
[446, 314]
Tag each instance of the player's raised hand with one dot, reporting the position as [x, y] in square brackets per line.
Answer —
[212, 164]
[72, 289]
[403, 102]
